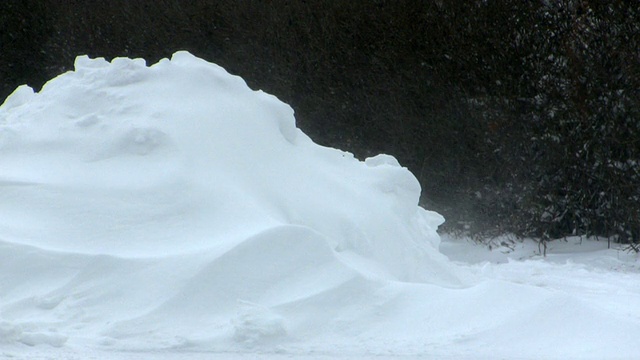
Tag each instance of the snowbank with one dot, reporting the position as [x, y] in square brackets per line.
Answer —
[155, 206]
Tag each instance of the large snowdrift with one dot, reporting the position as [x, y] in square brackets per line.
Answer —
[172, 207]
[157, 202]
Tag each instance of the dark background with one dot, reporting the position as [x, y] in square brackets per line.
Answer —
[516, 116]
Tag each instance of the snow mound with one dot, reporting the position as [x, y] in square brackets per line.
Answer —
[170, 206]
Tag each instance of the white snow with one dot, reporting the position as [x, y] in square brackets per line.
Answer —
[170, 211]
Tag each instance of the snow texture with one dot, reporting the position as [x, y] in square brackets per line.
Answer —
[170, 209]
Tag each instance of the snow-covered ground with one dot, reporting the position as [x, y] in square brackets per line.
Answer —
[170, 212]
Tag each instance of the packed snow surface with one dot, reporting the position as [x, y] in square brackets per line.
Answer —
[171, 210]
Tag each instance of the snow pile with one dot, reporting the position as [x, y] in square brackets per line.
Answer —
[172, 209]
[160, 206]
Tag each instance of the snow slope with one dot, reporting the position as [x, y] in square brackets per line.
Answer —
[171, 210]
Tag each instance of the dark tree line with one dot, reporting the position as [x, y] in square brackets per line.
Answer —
[516, 116]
